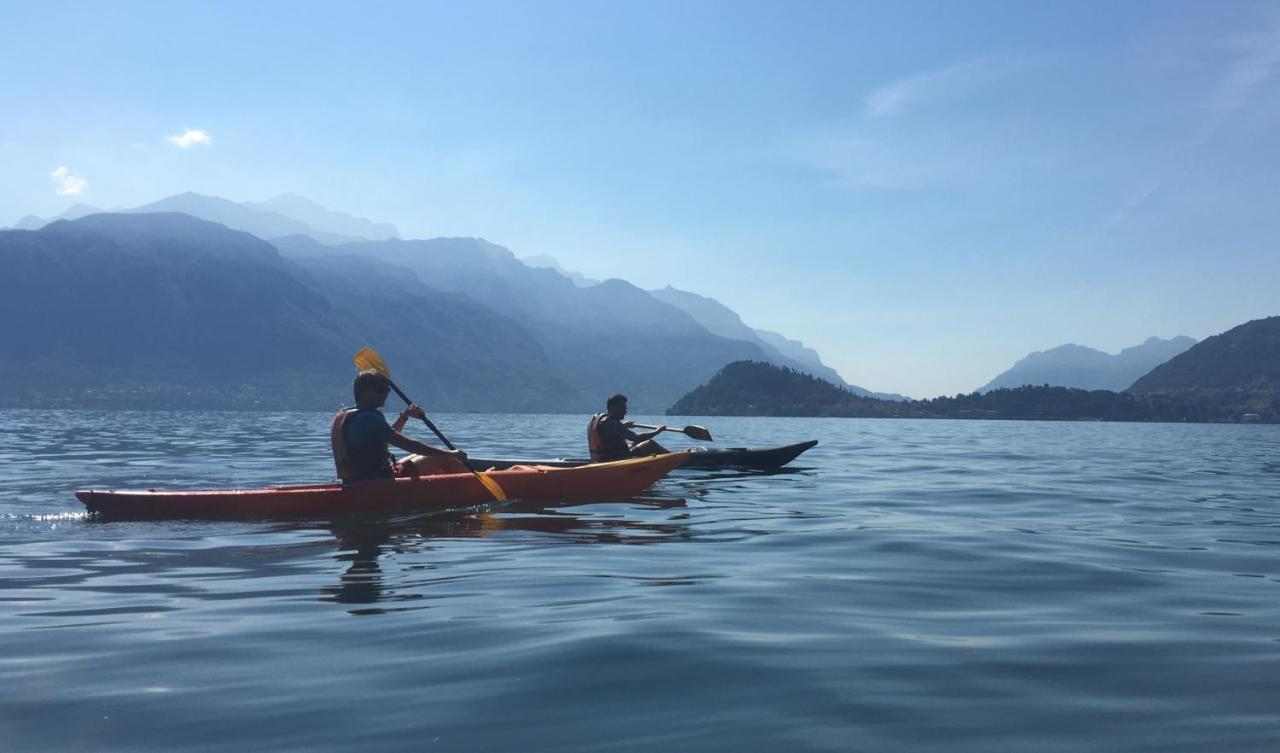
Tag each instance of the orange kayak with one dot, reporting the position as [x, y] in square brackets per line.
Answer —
[617, 480]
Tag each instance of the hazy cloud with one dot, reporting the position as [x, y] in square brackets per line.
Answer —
[67, 183]
[1255, 66]
[894, 98]
[857, 157]
[190, 137]
[1132, 203]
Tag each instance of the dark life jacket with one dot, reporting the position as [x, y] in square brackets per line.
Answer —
[357, 463]
[613, 447]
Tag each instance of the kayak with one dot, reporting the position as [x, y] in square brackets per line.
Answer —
[617, 480]
[749, 458]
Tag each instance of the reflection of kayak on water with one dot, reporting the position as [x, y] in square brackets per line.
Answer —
[616, 480]
[750, 458]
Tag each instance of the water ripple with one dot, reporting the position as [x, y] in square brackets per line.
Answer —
[911, 585]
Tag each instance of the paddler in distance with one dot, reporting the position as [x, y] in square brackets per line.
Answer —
[360, 435]
[608, 434]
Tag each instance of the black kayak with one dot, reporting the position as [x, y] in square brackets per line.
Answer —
[749, 458]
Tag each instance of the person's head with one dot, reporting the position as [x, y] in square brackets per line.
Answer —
[617, 405]
[371, 389]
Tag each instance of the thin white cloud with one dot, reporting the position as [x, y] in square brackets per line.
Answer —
[896, 97]
[1256, 65]
[853, 157]
[191, 137]
[67, 183]
[1132, 203]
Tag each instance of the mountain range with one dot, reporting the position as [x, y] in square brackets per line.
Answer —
[610, 337]
[287, 214]
[1088, 369]
[485, 330]
[165, 310]
[1233, 377]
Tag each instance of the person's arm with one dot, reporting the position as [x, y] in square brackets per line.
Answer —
[408, 444]
[638, 438]
[648, 434]
[411, 411]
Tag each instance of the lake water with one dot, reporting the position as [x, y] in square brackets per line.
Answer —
[908, 586]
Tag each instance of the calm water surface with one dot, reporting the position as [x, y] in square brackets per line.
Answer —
[908, 586]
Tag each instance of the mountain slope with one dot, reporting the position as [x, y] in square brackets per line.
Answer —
[724, 321]
[1244, 359]
[1085, 368]
[611, 337]
[264, 224]
[324, 220]
[549, 262]
[165, 310]
[73, 212]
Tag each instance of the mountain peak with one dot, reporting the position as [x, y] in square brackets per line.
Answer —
[1082, 367]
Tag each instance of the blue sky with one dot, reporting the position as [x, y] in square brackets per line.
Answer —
[925, 192]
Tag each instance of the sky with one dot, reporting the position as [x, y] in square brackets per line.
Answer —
[923, 192]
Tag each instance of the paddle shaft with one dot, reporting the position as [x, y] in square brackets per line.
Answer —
[426, 420]
[684, 431]
[494, 488]
[654, 426]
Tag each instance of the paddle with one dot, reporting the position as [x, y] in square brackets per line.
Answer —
[367, 359]
[693, 432]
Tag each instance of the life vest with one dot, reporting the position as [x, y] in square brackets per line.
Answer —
[339, 441]
[593, 439]
[370, 465]
[599, 448]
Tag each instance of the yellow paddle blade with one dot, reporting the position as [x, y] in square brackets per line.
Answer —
[367, 359]
[492, 486]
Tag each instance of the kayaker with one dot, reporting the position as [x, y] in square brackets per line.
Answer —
[360, 435]
[608, 434]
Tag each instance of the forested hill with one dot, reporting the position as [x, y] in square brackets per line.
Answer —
[1244, 359]
[747, 388]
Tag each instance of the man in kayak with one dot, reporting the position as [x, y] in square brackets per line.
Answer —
[608, 434]
[360, 435]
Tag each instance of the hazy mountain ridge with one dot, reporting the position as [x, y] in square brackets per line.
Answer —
[287, 214]
[325, 220]
[610, 337]
[1089, 369]
[549, 262]
[724, 321]
[262, 223]
[74, 212]
[165, 310]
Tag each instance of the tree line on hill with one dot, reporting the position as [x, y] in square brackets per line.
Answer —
[747, 388]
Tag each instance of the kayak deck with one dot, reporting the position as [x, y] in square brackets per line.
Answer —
[620, 479]
[748, 458]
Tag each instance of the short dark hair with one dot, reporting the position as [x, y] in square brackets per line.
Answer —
[367, 379]
[618, 398]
